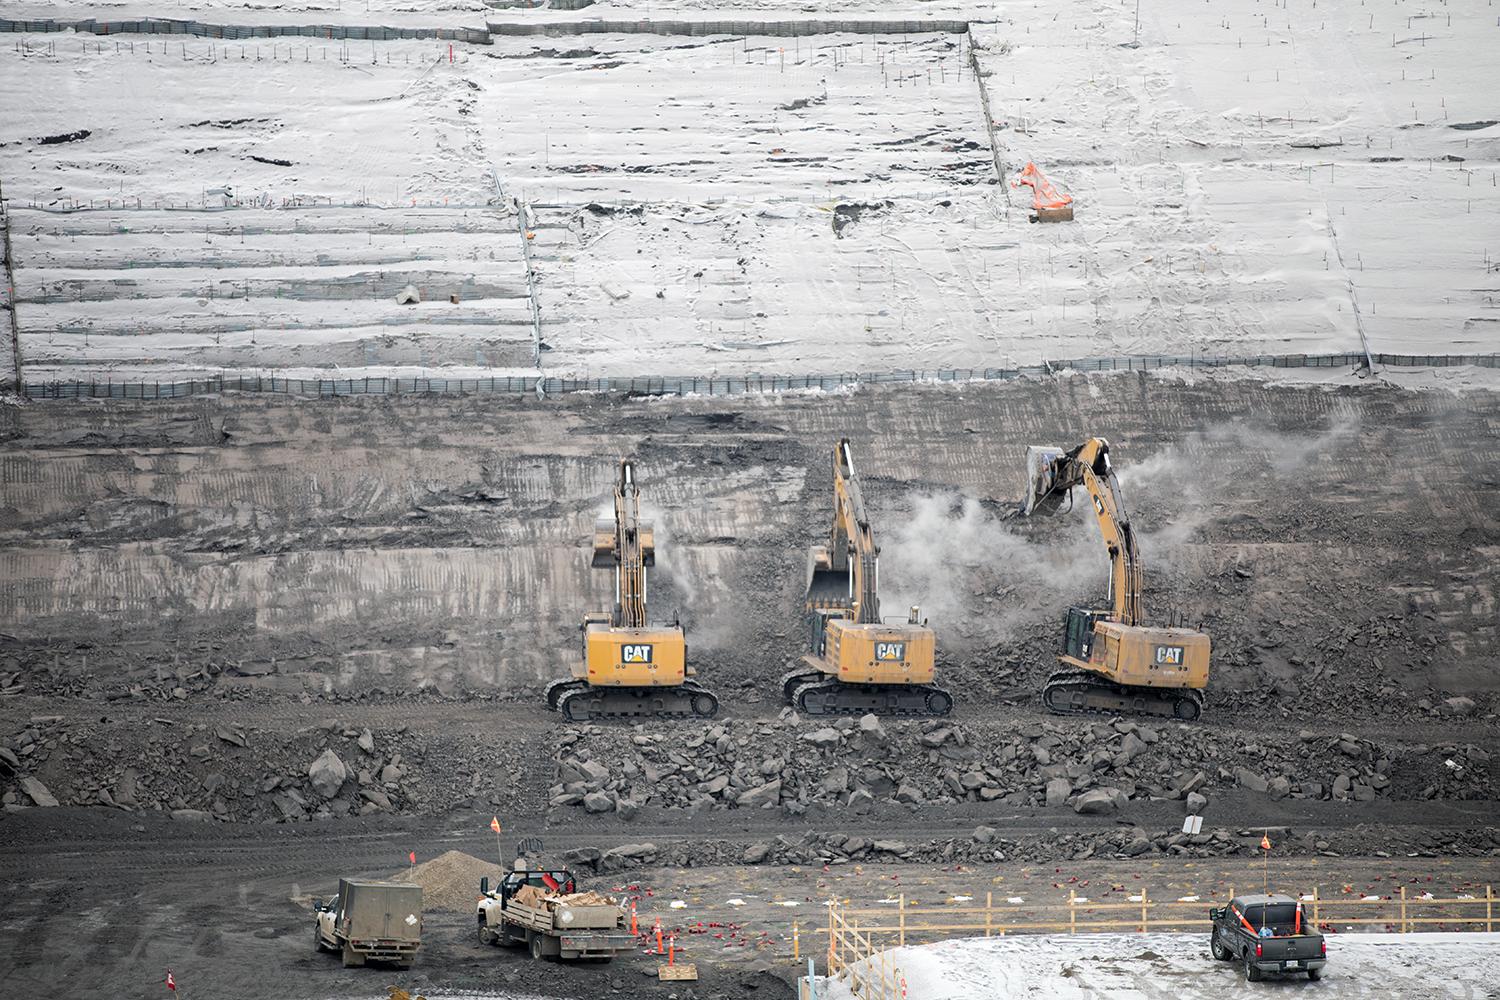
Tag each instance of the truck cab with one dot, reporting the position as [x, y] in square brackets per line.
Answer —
[1269, 935]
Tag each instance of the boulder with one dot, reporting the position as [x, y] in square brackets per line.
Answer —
[909, 794]
[1279, 787]
[191, 816]
[762, 795]
[1459, 706]
[376, 797]
[984, 835]
[327, 774]
[755, 854]
[625, 855]
[599, 802]
[1096, 801]
[825, 737]
[1247, 778]
[367, 741]
[860, 801]
[872, 731]
[936, 738]
[1058, 790]
[125, 789]
[1195, 803]
[38, 793]
[1132, 746]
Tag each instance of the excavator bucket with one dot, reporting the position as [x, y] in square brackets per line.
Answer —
[604, 544]
[1042, 495]
[826, 587]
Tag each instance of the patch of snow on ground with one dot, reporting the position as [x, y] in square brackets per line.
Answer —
[1172, 966]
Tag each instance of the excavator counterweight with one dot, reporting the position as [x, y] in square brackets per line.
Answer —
[858, 663]
[1111, 660]
[630, 666]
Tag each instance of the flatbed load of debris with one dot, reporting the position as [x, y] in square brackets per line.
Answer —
[530, 895]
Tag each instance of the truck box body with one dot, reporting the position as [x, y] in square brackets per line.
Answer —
[380, 919]
[549, 918]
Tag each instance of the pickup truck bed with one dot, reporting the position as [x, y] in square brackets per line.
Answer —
[1269, 936]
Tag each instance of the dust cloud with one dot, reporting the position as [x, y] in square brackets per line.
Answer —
[960, 561]
[963, 561]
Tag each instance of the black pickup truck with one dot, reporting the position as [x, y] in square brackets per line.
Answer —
[1269, 934]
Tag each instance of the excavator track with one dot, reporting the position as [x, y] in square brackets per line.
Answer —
[1079, 692]
[830, 696]
[684, 701]
[558, 688]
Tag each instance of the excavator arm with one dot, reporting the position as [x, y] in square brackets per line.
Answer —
[1052, 474]
[627, 547]
[846, 574]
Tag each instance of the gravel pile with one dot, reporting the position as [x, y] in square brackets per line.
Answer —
[450, 881]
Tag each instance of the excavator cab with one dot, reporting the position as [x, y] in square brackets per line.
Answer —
[1078, 631]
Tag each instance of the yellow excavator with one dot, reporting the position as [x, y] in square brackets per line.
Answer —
[1112, 661]
[630, 666]
[857, 663]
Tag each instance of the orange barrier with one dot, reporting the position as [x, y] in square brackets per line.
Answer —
[1043, 193]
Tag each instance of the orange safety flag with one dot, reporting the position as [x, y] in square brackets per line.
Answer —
[1043, 193]
[411, 856]
[171, 983]
[1265, 842]
[495, 823]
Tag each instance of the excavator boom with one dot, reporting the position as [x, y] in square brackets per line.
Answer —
[1051, 476]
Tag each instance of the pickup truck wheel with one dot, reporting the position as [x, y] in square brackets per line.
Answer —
[1314, 974]
[1216, 946]
[318, 939]
[1252, 972]
[486, 936]
[537, 951]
